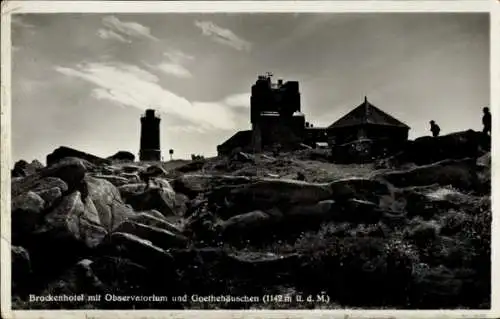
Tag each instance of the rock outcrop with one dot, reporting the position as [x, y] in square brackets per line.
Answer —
[255, 224]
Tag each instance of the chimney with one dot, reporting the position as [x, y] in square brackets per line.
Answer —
[280, 82]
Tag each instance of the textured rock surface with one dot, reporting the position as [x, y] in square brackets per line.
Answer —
[255, 224]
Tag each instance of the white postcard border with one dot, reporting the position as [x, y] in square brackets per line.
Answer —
[10, 7]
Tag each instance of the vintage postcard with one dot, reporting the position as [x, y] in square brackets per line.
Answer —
[249, 159]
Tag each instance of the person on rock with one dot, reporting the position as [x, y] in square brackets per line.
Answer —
[486, 121]
[435, 129]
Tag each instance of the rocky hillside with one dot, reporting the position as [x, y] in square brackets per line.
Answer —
[404, 235]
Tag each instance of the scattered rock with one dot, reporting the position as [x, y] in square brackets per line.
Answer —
[106, 199]
[130, 169]
[191, 167]
[427, 150]
[484, 173]
[246, 226]
[22, 168]
[160, 197]
[151, 172]
[458, 173]
[122, 156]
[21, 269]
[136, 249]
[71, 171]
[71, 221]
[115, 180]
[162, 238]
[359, 211]
[192, 184]
[315, 213]
[51, 195]
[64, 152]
[27, 212]
[267, 193]
[361, 188]
[155, 219]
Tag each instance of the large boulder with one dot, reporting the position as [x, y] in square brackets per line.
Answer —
[193, 166]
[484, 172]
[21, 269]
[136, 249]
[122, 156]
[246, 226]
[193, 184]
[27, 212]
[64, 152]
[429, 201]
[461, 174]
[427, 150]
[358, 211]
[153, 171]
[303, 215]
[361, 188]
[268, 193]
[73, 222]
[23, 168]
[159, 196]
[78, 280]
[51, 195]
[154, 218]
[71, 171]
[160, 237]
[105, 199]
[115, 180]
[62, 235]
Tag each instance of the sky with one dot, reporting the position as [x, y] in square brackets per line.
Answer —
[84, 80]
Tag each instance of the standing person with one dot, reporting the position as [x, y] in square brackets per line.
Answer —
[486, 121]
[435, 129]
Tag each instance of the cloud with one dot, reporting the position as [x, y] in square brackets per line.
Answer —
[173, 65]
[111, 35]
[174, 69]
[19, 22]
[241, 100]
[223, 36]
[129, 85]
[178, 57]
[129, 29]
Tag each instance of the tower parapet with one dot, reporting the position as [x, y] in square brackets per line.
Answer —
[282, 98]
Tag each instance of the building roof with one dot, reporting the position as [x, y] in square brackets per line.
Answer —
[239, 139]
[367, 113]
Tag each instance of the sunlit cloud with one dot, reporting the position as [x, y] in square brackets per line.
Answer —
[177, 56]
[127, 29]
[130, 86]
[111, 35]
[238, 100]
[223, 36]
[173, 64]
[174, 69]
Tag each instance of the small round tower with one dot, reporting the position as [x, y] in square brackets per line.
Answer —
[150, 137]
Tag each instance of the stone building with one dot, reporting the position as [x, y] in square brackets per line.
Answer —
[276, 121]
[275, 118]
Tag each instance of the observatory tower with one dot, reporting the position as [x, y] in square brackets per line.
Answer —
[150, 137]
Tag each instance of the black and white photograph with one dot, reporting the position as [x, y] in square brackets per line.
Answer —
[250, 160]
